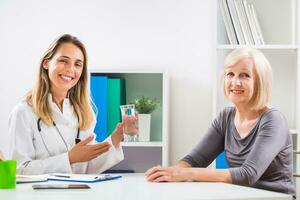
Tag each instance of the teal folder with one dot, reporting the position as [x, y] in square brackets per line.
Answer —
[116, 97]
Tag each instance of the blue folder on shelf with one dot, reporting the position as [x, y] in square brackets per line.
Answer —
[82, 178]
[99, 92]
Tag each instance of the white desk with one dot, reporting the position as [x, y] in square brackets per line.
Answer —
[134, 186]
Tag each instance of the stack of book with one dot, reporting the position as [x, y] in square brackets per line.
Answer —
[241, 22]
[107, 94]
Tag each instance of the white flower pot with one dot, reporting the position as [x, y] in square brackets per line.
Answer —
[144, 123]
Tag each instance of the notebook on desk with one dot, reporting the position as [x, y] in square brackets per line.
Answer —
[83, 178]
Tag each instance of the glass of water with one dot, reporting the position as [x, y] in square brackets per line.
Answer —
[130, 128]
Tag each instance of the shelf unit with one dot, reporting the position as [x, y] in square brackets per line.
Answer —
[280, 28]
[140, 156]
[142, 144]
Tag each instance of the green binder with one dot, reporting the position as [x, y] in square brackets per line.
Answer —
[116, 97]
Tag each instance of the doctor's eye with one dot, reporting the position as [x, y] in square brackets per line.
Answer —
[63, 61]
[78, 64]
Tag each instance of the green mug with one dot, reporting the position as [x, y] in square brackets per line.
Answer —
[8, 170]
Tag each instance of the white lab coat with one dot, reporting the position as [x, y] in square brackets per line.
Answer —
[28, 148]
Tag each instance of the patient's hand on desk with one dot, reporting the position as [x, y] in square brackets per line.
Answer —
[83, 151]
[166, 174]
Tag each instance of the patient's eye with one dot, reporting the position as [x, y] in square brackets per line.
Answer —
[230, 75]
[244, 75]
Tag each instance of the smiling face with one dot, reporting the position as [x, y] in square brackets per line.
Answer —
[239, 82]
[65, 68]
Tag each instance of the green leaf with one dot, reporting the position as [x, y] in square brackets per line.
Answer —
[145, 105]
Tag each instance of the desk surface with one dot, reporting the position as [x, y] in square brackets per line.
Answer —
[134, 186]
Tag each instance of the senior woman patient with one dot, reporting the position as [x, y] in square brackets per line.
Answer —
[254, 136]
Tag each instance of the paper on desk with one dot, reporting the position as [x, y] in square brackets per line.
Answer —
[32, 178]
[87, 178]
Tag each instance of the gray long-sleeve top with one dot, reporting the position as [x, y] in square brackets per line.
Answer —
[263, 159]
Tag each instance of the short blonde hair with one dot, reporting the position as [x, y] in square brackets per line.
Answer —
[78, 95]
[263, 75]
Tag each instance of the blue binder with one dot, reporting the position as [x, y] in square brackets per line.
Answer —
[99, 91]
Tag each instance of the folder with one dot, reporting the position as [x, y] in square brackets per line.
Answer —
[82, 178]
[99, 86]
[116, 97]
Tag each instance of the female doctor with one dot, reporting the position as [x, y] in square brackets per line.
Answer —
[52, 129]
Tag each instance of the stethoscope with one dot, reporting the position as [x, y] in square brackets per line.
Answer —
[77, 139]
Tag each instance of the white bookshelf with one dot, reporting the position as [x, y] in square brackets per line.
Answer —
[261, 47]
[142, 144]
[280, 28]
[140, 156]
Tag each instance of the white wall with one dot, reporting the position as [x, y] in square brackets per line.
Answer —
[173, 35]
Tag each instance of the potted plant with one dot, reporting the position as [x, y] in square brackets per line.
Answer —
[145, 106]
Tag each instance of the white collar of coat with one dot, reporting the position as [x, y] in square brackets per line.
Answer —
[67, 108]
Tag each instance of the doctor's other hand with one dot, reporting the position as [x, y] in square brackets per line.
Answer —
[166, 174]
[117, 136]
[83, 151]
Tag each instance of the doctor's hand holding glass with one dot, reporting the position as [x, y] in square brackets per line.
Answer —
[52, 129]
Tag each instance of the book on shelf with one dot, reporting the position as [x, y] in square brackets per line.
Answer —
[98, 87]
[236, 22]
[250, 23]
[116, 97]
[245, 21]
[228, 22]
[257, 25]
[241, 22]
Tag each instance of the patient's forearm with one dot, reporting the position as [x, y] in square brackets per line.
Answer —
[207, 174]
[182, 164]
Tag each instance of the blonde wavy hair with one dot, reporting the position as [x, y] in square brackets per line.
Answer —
[79, 95]
[263, 75]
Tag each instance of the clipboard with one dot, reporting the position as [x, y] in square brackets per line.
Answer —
[81, 178]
